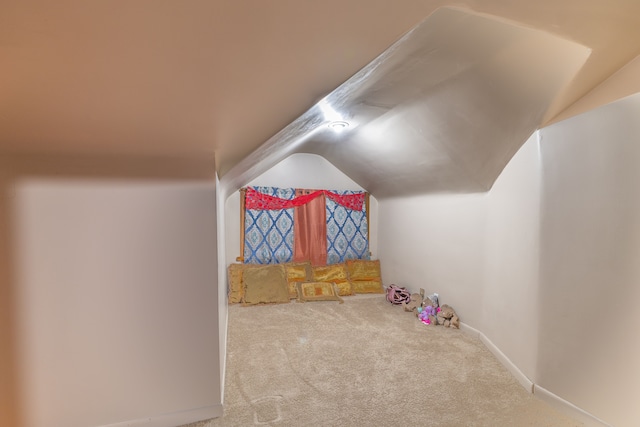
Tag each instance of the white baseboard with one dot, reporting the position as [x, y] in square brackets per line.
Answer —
[557, 402]
[468, 329]
[511, 367]
[173, 419]
[568, 408]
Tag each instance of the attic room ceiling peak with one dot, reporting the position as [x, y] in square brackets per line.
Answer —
[441, 110]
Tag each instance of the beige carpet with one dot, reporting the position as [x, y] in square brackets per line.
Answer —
[365, 363]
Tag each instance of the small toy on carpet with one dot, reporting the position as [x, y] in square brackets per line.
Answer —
[447, 316]
[427, 315]
[413, 303]
[435, 300]
[430, 312]
[398, 295]
[427, 309]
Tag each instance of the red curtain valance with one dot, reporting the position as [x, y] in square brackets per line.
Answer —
[260, 201]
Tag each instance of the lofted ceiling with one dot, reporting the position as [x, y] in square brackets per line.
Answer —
[439, 94]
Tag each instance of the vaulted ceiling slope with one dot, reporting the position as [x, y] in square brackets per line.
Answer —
[443, 109]
[194, 78]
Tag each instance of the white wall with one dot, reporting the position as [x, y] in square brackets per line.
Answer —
[510, 306]
[9, 399]
[589, 267]
[116, 301]
[223, 306]
[479, 252]
[296, 171]
[436, 243]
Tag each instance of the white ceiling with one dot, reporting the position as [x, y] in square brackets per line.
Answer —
[443, 110]
[447, 107]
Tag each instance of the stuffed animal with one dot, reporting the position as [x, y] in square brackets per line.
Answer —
[425, 315]
[413, 303]
[447, 316]
[427, 302]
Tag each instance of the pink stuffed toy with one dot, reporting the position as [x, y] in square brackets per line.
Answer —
[424, 314]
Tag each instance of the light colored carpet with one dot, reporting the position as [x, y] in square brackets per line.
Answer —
[365, 363]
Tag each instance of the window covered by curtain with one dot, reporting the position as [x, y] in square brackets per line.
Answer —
[321, 226]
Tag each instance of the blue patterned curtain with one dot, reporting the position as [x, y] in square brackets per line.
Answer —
[346, 232]
[268, 235]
